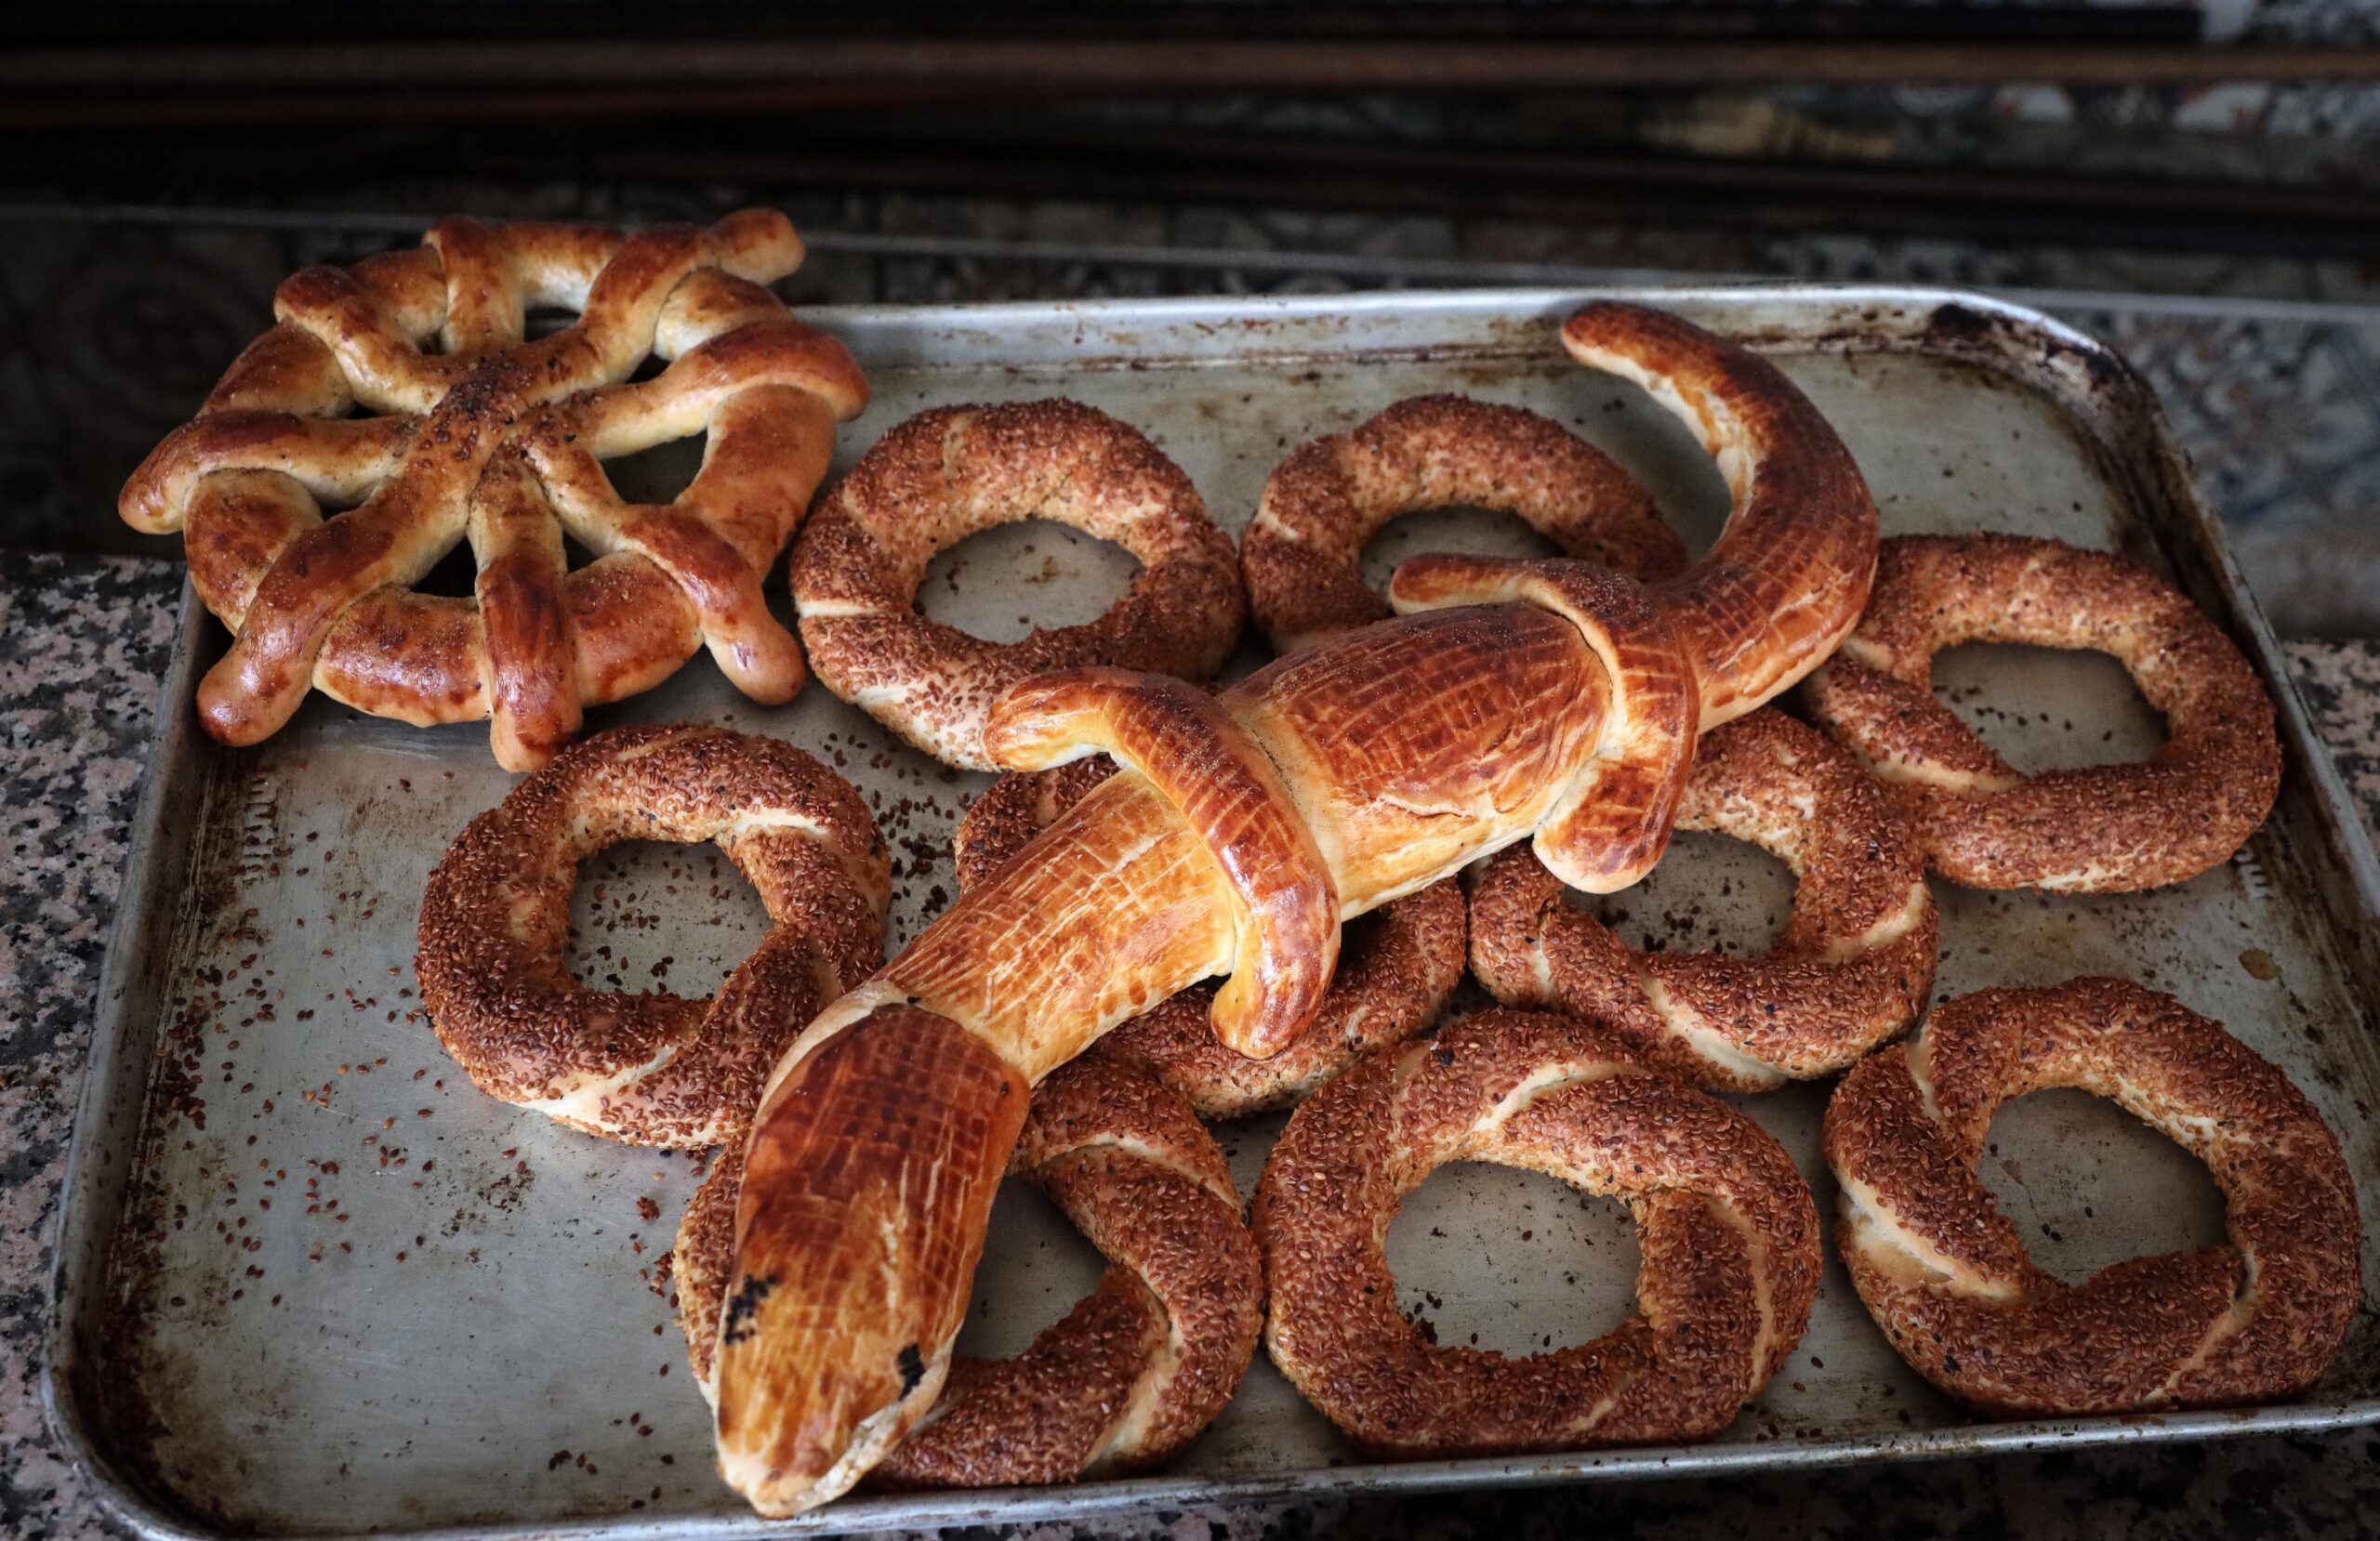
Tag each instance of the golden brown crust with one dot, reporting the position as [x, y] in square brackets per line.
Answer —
[1947, 1275]
[1139, 1366]
[1207, 766]
[497, 437]
[1728, 1233]
[1331, 495]
[1790, 574]
[651, 1069]
[1410, 748]
[1396, 967]
[868, 1184]
[1852, 969]
[947, 473]
[1611, 824]
[2099, 829]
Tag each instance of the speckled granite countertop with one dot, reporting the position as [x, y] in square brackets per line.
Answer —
[83, 642]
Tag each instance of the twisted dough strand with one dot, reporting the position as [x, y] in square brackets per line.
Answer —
[494, 436]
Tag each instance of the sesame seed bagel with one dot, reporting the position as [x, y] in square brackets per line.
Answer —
[1330, 496]
[1138, 1367]
[944, 475]
[1851, 969]
[1946, 1274]
[1728, 1233]
[1396, 968]
[649, 1069]
[2098, 829]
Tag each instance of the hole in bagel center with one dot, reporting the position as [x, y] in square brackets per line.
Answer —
[1510, 1261]
[649, 917]
[1466, 532]
[2048, 708]
[1035, 1266]
[1003, 582]
[2087, 1185]
[1710, 893]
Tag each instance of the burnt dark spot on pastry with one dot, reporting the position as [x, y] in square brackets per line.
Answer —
[913, 1368]
[744, 1309]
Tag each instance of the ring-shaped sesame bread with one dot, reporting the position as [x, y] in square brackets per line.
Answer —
[651, 1069]
[1946, 1274]
[1333, 496]
[1852, 968]
[1137, 1368]
[1396, 967]
[1728, 1233]
[950, 472]
[2097, 829]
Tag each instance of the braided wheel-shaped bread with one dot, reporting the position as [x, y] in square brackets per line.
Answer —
[469, 429]
[1136, 1369]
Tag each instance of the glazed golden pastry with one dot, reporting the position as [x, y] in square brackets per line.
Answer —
[1396, 967]
[1510, 702]
[1137, 1368]
[405, 392]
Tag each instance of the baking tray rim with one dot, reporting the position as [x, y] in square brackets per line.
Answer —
[2340, 825]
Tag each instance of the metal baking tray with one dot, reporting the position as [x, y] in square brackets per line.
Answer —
[311, 1283]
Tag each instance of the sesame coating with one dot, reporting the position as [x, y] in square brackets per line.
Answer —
[1946, 1274]
[1331, 495]
[651, 1069]
[1852, 968]
[2098, 829]
[944, 475]
[1726, 1227]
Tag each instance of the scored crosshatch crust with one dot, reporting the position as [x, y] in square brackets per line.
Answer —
[1900, 382]
[1396, 967]
[1139, 1366]
[1336, 779]
[479, 432]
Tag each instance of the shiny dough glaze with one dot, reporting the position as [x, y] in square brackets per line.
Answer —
[1402, 751]
[481, 433]
[1138, 1367]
